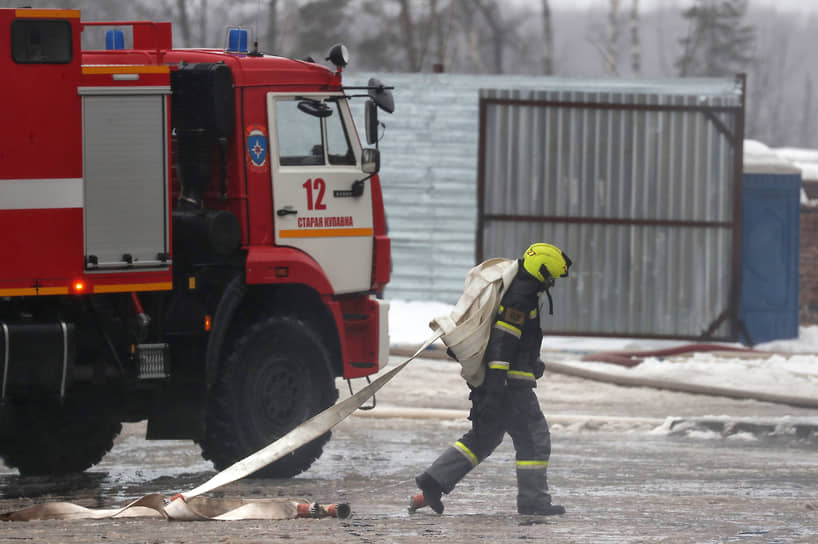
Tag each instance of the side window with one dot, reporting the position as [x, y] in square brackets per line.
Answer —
[301, 138]
[299, 135]
[338, 148]
[41, 41]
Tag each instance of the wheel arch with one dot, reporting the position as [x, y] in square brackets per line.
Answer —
[242, 304]
[265, 390]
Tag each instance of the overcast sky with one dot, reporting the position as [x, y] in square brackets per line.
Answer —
[805, 6]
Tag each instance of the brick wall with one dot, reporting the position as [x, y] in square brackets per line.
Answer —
[808, 267]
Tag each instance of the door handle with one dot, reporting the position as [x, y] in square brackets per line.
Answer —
[285, 211]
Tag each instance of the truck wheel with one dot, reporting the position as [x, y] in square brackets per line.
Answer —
[277, 376]
[47, 438]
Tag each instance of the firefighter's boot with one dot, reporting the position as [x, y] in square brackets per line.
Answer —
[452, 465]
[431, 492]
[532, 490]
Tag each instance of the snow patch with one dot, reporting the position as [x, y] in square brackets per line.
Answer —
[803, 430]
[781, 374]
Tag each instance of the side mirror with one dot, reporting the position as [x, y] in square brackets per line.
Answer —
[381, 95]
[371, 122]
[370, 161]
[315, 108]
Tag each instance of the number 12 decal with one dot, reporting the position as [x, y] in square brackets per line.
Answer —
[320, 187]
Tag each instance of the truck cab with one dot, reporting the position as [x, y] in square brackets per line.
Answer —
[195, 237]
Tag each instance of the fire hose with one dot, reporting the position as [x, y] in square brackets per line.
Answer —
[631, 359]
[189, 506]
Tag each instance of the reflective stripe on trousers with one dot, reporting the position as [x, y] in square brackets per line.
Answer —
[524, 422]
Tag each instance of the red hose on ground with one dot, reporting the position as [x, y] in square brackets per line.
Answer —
[633, 358]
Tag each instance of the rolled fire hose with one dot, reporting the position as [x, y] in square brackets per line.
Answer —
[188, 506]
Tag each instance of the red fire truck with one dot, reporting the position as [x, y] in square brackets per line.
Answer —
[195, 237]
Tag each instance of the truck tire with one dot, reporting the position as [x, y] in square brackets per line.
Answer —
[277, 376]
[43, 437]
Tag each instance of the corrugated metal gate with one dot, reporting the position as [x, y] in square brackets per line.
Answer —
[641, 186]
[429, 177]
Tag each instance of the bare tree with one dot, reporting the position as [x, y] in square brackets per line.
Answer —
[203, 34]
[408, 34]
[661, 43]
[605, 38]
[548, 36]
[140, 9]
[613, 38]
[491, 15]
[806, 112]
[419, 34]
[464, 39]
[271, 39]
[321, 23]
[636, 48]
[766, 105]
[442, 27]
[183, 21]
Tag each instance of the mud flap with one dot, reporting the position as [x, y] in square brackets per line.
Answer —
[36, 355]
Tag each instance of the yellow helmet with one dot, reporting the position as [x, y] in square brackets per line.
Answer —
[546, 262]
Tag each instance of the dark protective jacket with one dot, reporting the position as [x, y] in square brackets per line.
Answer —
[506, 403]
[513, 352]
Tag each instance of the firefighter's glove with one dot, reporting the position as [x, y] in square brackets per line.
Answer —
[495, 381]
[493, 407]
[451, 354]
[539, 368]
[494, 402]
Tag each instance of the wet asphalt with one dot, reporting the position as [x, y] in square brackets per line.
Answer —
[642, 479]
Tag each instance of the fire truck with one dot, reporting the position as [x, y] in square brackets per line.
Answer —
[192, 237]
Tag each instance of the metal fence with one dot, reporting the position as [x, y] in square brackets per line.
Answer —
[640, 185]
[429, 180]
[429, 176]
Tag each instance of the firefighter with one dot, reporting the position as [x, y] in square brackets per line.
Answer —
[505, 402]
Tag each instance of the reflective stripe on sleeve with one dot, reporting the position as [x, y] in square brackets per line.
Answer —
[467, 453]
[498, 365]
[510, 329]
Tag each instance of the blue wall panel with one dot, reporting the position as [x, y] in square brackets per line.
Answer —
[769, 255]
